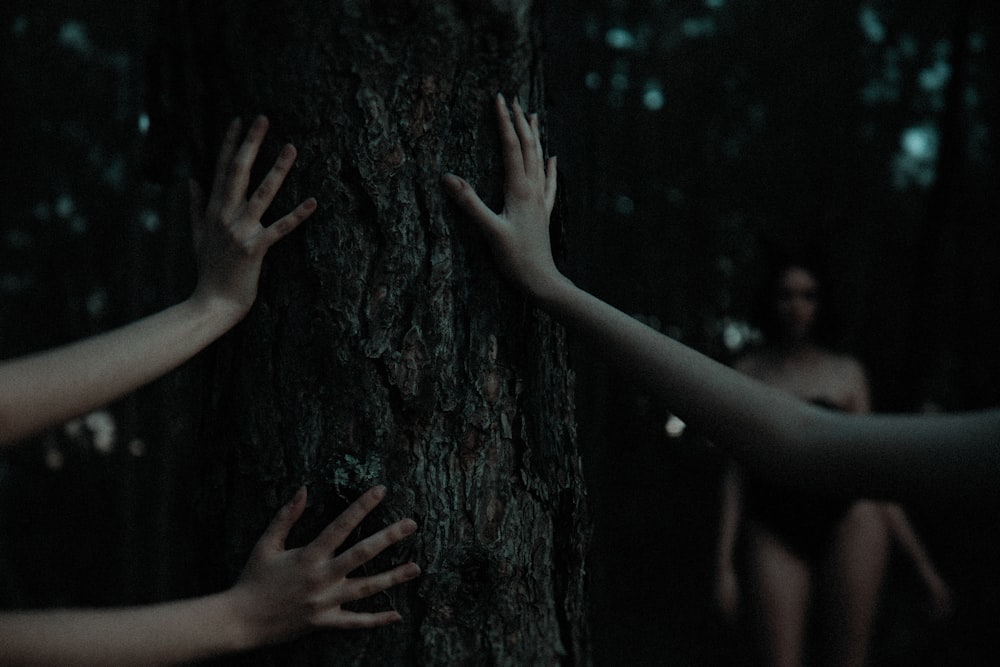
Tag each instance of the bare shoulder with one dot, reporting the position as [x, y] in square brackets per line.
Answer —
[848, 366]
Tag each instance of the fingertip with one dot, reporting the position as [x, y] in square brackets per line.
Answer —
[310, 204]
[259, 126]
[453, 182]
[298, 498]
[408, 526]
[378, 492]
[503, 110]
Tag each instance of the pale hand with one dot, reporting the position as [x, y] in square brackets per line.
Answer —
[230, 241]
[519, 234]
[285, 593]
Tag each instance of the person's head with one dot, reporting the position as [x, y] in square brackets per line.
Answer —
[792, 307]
[795, 301]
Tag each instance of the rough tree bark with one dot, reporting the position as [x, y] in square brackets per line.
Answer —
[383, 346]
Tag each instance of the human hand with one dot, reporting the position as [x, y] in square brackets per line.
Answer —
[284, 593]
[230, 241]
[519, 234]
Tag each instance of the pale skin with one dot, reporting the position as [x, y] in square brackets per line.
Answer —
[849, 575]
[51, 387]
[282, 593]
[902, 456]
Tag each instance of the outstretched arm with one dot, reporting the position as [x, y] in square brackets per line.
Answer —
[766, 429]
[281, 594]
[727, 587]
[942, 602]
[47, 388]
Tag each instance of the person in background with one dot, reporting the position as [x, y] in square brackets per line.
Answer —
[281, 593]
[808, 550]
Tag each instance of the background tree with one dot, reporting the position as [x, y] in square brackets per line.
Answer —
[383, 347]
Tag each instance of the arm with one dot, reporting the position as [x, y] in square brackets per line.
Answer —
[281, 594]
[727, 591]
[766, 429]
[942, 599]
[44, 389]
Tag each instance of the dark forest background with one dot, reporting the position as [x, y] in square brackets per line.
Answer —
[696, 139]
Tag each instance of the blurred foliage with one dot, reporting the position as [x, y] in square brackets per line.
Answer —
[86, 244]
[701, 138]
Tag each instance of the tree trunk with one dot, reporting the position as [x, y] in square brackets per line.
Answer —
[383, 347]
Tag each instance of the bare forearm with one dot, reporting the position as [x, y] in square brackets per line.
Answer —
[713, 398]
[163, 634]
[778, 435]
[47, 388]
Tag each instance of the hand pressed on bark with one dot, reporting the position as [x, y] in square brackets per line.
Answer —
[519, 234]
[44, 389]
[281, 594]
[230, 241]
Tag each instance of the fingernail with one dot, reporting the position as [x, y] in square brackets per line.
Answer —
[412, 570]
[287, 151]
[501, 98]
[309, 204]
[379, 491]
[409, 526]
[452, 181]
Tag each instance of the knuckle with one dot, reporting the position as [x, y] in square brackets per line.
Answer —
[265, 191]
[366, 587]
[364, 552]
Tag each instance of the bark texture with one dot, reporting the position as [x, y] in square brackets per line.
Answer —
[384, 348]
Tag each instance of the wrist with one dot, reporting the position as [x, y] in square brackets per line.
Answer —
[217, 311]
[551, 290]
[234, 621]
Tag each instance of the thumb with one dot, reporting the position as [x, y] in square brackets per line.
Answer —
[550, 185]
[467, 199]
[277, 531]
